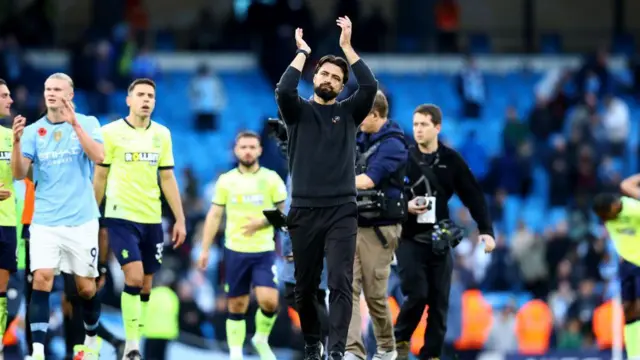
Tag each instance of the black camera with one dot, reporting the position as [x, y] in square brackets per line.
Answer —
[278, 130]
[446, 234]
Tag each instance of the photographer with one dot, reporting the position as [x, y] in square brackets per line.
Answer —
[380, 169]
[425, 260]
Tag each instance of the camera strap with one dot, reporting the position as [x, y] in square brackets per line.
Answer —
[431, 180]
[376, 144]
[381, 238]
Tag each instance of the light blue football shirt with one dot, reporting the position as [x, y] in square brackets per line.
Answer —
[62, 171]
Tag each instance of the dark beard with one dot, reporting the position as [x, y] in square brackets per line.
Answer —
[247, 163]
[324, 93]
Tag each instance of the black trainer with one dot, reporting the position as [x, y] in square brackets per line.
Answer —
[314, 352]
[133, 355]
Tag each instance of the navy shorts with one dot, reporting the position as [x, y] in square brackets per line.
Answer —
[243, 270]
[8, 246]
[131, 241]
[629, 281]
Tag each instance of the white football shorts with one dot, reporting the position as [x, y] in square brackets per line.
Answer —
[68, 249]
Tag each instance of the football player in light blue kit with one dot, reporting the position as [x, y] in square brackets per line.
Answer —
[64, 232]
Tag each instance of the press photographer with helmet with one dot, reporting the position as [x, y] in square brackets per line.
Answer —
[435, 173]
[380, 170]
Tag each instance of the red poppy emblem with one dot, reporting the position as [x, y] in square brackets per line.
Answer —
[42, 131]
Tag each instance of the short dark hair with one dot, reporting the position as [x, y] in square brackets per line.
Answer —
[602, 202]
[2, 82]
[380, 105]
[337, 61]
[141, 81]
[248, 134]
[430, 110]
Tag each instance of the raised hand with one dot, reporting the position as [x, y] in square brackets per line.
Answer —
[19, 123]
[69, 112]
[300, 43]
[345, 36]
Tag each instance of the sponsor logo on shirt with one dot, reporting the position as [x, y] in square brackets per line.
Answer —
[151, 158]
[48, 158]
[252, 199]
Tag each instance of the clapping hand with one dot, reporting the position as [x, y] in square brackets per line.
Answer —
[345, 36]
[300, 43]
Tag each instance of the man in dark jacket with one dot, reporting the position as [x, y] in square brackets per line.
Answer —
[381, 164]
[435, 173]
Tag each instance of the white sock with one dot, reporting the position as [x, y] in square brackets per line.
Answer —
[38, 349]
[131, 345]
[91, 341]
[261, 338]
[235, 352]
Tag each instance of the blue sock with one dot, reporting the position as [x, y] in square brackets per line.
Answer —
[91, 315]
[39, 315]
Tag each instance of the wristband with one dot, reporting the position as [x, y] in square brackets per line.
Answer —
[302, 51]
[102, 269]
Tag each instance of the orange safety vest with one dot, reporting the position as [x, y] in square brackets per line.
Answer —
[394, 308]
[477, 319]
[10, 337]
[534, 323]
[29, 201]
[447, 17]
[603, 317]
[294, 317]
[417, 339]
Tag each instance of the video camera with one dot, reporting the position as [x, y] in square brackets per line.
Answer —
[446, 234]
[278, 130]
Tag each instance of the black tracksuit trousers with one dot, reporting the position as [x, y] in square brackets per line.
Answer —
[314, 231]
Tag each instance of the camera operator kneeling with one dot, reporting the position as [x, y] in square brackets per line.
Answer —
[380, 170]
[425, 260]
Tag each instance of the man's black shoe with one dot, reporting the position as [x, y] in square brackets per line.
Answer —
[336, 356]
[314, 352]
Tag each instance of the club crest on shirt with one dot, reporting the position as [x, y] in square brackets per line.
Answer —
[335, 119]
[156, 141]
[57, 135]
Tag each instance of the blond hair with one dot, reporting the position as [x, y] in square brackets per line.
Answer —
[62, 76]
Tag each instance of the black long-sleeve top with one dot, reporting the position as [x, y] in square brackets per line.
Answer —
[454, 177]
[322, 139]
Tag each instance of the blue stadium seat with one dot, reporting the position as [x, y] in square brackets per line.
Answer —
[479, 44]
[550, 44]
